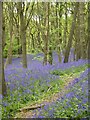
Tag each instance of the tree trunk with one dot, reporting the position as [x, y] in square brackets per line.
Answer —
[38, 27]
[82, 30]
[50, 57]
[77, 38]
[65, 29]
[3, 90]
[11, 33]
[88, 30]
[18, 40]
[23, 35]
[58, 29]
[32, 43]
[71, 34]
[9, 54]
[18, 32]
[46, 34]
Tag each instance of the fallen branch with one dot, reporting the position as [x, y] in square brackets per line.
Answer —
[31, 108]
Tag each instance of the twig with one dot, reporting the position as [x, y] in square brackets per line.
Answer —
[49, 88]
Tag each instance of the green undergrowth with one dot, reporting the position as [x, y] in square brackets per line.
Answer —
[40, 92]
[46, 93]
[70, 71]
[73, 105]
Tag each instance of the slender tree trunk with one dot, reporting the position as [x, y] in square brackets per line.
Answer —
[82, 30]
[88, 30]
[2, 78]
[23, 35]
[29, 41]
[33, 44]
[50, 57]
[18, 31]
[65, 29]
[46, 34]
[19, 42]
[38, 27]
[50, 54]
[57, 33]
[71, 34]
[18, 39]
[77, 38]
[11, 35]
[58, 27]
[60, 30]
[9, 54]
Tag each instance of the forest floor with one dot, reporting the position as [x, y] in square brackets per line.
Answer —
[27, 113]
[58, 90]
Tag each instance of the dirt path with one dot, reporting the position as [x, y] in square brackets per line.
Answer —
[27, 112]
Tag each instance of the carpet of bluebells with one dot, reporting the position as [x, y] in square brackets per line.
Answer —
[73, 104]
[31, 85]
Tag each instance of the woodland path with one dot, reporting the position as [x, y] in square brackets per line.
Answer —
[27, 112]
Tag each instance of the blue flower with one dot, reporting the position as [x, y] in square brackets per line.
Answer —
[70, 95]
[41, 116]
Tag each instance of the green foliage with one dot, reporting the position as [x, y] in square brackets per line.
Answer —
[15, 48]
[40, 91]
[72, 107]
[69, 71]
[32, 51]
